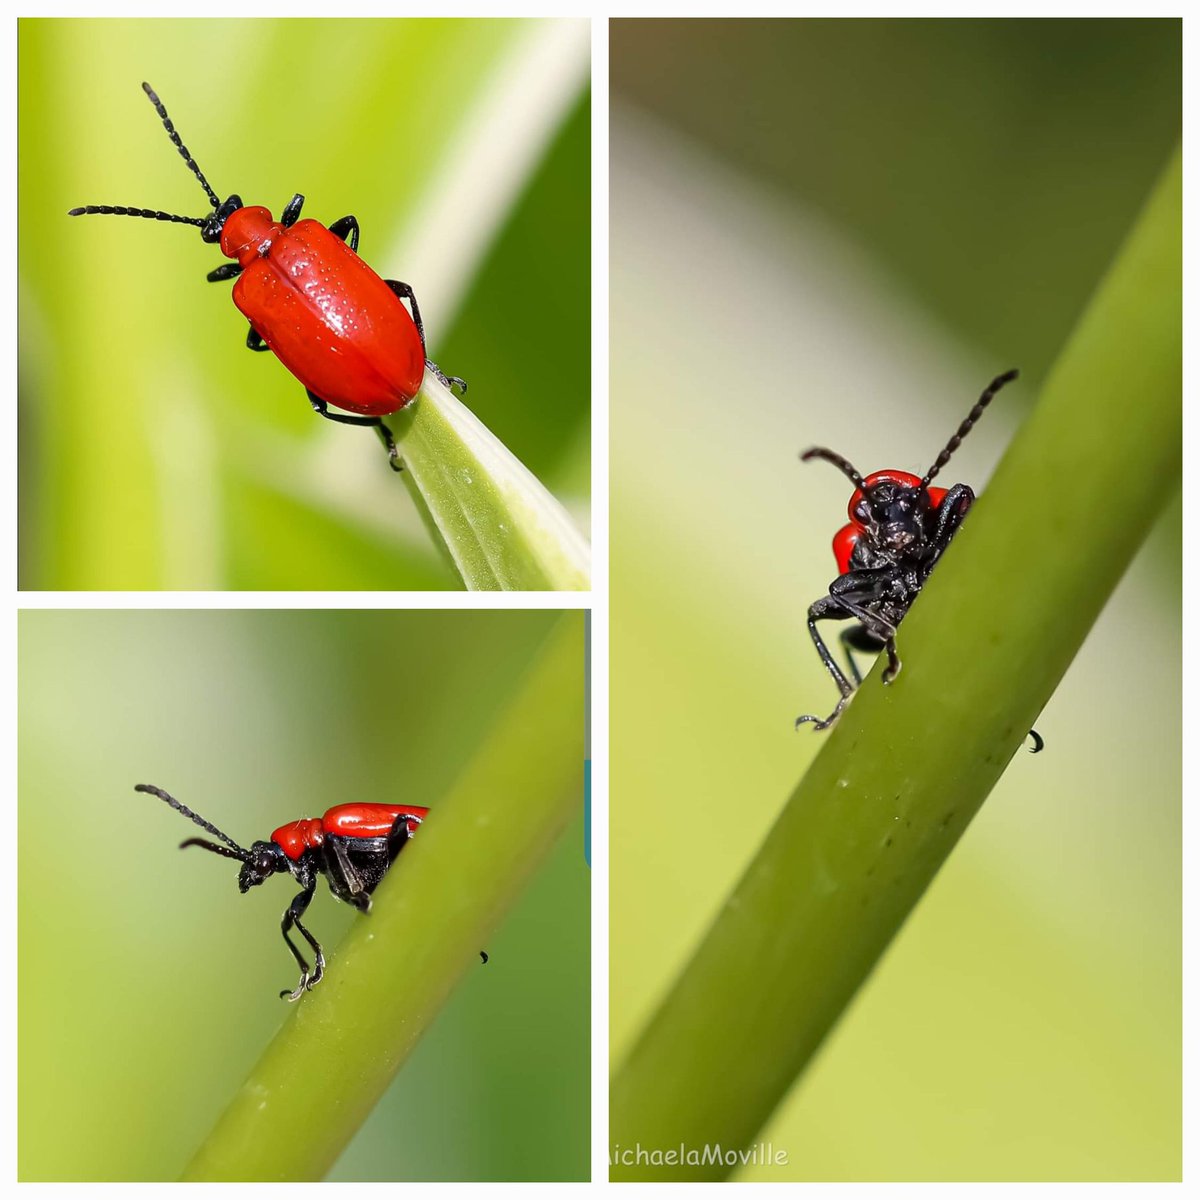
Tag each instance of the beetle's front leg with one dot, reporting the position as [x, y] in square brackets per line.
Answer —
[850, 595]
[950, 513]
[857, 591]
[827, 609]
[291, 211]
[292, 918]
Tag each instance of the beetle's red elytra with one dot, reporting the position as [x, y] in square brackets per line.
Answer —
[352, 845]
[899, 528]
[346, 820]
[337, 326]
[324, 313]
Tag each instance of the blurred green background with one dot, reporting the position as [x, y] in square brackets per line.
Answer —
[836, 232]
[148, 985]
[155, 451]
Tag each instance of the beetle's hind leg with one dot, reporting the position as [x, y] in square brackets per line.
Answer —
[399, 836]
[385, 434]
[451, 381]
[405, 292]
[254, 341]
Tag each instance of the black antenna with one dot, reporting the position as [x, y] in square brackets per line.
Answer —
[239, 853]
[213, 847]
[116, 210]
[837, 460]
[183, 150]
[965, 428]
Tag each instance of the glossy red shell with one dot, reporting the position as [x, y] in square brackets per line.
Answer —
[844, 542]
[326, 315]
[370, 820]
[345, 820]
[847, 537]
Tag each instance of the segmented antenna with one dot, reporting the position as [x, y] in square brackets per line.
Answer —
[149, 789]
[965, 428]
[836, 460]
[117, 210]
[183, 150]
[213, 847]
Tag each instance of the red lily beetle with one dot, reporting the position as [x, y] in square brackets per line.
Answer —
[339, 328]
[900, 526]
[352, 845]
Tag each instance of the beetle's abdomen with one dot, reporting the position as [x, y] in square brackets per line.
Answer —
[332, 321]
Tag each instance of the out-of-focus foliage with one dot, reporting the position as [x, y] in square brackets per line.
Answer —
[155, 451]
[990, 164]
[836, 233]
[148, 987]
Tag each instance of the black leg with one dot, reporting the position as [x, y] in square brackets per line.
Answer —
[893, 667]
[827, 609]
[347, 230]
[451, 381]
[405, 292]
[307, 982]
[860, 593]
[352, 889]
[846, 637]
[950, 513]
[856, 592]
[230, 270]
[398, 836]
[850, 595]
[291, 212]
[254, 340]
[389, 444]
[385, 434]
[292, 918]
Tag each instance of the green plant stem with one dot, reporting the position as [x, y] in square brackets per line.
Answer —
[392, 974]
[907, 766]
[497, 525]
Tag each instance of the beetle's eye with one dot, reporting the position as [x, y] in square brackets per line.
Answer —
[862, 511]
